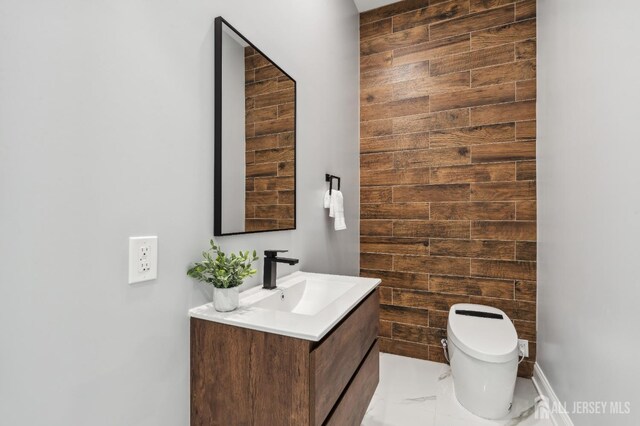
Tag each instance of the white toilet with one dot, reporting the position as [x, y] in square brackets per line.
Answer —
[483, 353]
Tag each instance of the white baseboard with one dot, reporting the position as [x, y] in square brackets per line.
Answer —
[544, 389]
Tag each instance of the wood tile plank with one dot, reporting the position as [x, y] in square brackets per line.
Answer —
[375, 95]
[267, 169]
[397, 279]
[510, 33]
[526, 130]
[265, 197]
[480, 5]
[503, 113]
[412, 176]
[274, 126]
[376, 29]
[427, 300]
[376, 61]
[514, 151]
[430, 157]
[274, 98]
[526, 170]
[418, 334]
[526, 210]
[394, 40]
[405, 315]
[526, 90]
[377, 161]
[438, 319]
[384, 327]
[428, 122]
[473, 211]
[474, 22]
[469, 286]
[505, 73]
[526, 49]
[518, 270]
[431, 229]
[376, 227]
[394, 245]
[395, 74]
[481, 249]
[376, 195]
[431, 193]
[526, 250]
[262, 142]
[371, 129]
[395, 143]
[473, 97]
[525, 329]
[503, 191]
[525, 9]
[432, 49]
[395, 211]
[473, 135]
[266, 86]
[274, 211]
[273, 183]
[411, 106]
[429, 85]
[431, 14]
[376, 261]
[472, 60]
[504, 230]
[391, 10]
[526, 290]
[473, 173]
[274, 155]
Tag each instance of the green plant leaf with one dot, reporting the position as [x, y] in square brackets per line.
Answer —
[223, 271]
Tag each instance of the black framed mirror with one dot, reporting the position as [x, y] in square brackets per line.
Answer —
[255, 138]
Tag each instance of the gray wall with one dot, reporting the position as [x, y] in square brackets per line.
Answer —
[589, 203]
[233, 133]
[106, 131]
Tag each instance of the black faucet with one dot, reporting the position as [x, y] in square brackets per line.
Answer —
[270, 268]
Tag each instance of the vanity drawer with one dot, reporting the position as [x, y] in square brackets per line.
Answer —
[354, 403]
[335, 360]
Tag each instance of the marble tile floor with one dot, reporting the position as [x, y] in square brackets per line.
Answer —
[416, 392]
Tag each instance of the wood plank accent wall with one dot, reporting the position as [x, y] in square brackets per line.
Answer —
[448, 165]
[270, 145]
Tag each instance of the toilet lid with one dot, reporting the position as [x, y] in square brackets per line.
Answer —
[482, 332]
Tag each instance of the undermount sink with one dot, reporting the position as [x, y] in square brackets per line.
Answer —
[304, 305]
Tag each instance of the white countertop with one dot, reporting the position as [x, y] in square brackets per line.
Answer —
[334, 296]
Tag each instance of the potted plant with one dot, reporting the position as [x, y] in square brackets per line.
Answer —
[224, 273]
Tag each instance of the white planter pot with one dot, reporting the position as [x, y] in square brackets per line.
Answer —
[226, 299]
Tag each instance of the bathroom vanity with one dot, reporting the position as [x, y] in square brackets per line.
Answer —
[305, 353]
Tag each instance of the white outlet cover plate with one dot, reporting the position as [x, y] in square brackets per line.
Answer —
[143, 250]
[523, 346]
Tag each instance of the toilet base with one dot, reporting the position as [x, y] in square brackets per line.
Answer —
[484, 388]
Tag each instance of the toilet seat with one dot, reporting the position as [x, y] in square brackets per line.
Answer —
[483, 332]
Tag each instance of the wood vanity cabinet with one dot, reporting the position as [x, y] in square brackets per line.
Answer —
[247, 377]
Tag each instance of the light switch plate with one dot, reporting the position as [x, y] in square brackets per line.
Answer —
[143, 259]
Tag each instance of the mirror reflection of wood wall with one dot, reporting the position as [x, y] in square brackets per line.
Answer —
[270, 145]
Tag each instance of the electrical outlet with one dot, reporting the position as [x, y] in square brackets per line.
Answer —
[143, 259]
[523, 347]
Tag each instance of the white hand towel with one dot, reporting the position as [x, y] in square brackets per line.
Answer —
[337, 208]
[332, 199]
[327, 200]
